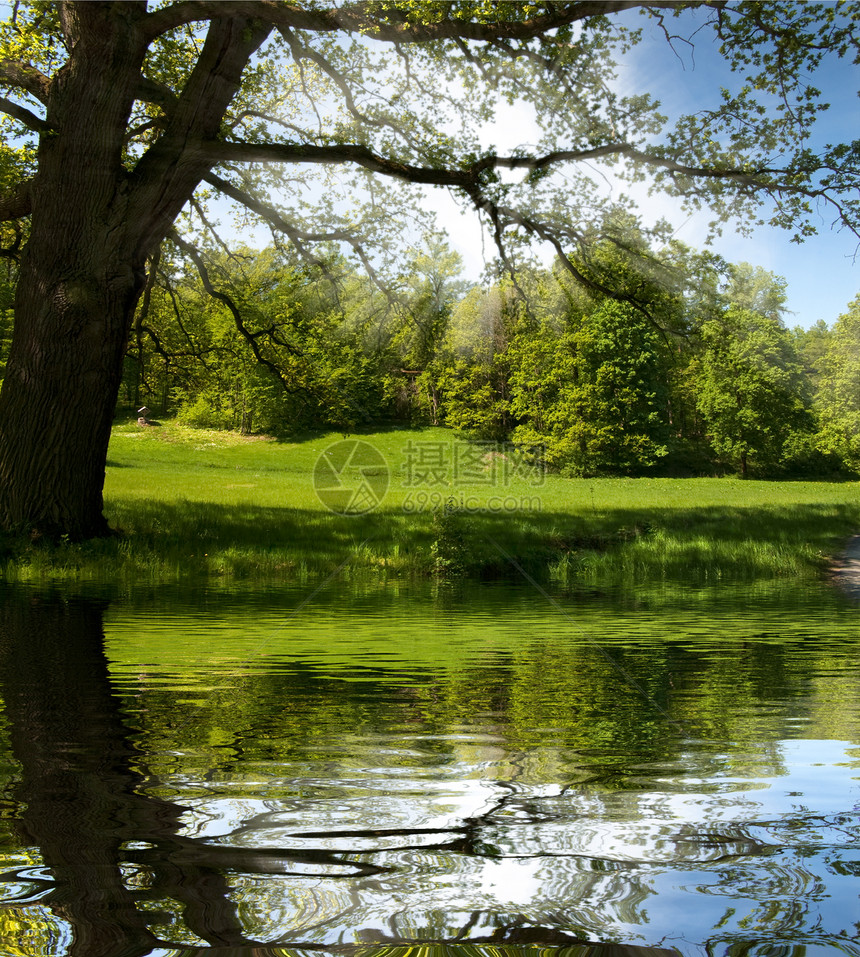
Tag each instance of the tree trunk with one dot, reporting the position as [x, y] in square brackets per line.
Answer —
[93, 223]
[78, 284]
[59, 395]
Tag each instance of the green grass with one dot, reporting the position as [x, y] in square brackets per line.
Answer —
[191, 503]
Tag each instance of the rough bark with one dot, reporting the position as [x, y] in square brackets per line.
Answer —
[76, 291]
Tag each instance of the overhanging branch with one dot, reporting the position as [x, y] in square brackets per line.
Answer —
[469, 175]
[386, 22]
[766, 180]
[271, 215]
[297, 236]
[363, 156]
[222, 297]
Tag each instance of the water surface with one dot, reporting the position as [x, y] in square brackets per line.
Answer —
[370, 769]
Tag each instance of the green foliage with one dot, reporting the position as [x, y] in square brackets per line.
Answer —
[838, 396]
[450, 551]
[756, 290]
[472, 371]
[431, 287]
[361, 92]
[475, 399]
[750, 388]
[812, 347]
[671, 380]
[621, 407]
[281, 357]
[595, 395]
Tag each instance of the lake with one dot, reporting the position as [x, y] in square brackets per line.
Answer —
[391, 769]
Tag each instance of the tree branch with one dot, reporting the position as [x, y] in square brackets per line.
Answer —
[193, 349]
[267, 118]
[25, 76]
[151, 91]
[465, 176]
[301, 52]
[298, 237]
[222, 297]
[23, 115]
[168, 172]
[271, 215]
[767, 180]
[386, 22]
[201, 213]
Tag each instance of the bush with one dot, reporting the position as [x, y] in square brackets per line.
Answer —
[203, 413]
[450, 551]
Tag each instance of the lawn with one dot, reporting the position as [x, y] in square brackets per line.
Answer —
[191, 503]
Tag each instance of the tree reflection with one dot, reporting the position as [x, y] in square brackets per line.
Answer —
[113, 850]
[119, 864]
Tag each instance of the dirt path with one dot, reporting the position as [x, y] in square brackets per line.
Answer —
[846, 570]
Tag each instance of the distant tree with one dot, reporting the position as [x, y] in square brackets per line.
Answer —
[418, 319]
[838, 395]
[473, 370]
[596, 396]
[543, 378]
[813, 345]
[432, 287]
[756, 289]
[251, 341]
[751, 389]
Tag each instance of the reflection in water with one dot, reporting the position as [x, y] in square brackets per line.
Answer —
[250, 783]
[81, 808]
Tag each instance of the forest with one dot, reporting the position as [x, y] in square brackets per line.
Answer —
[689, 369]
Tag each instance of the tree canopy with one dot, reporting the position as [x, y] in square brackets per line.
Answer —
[124, 121]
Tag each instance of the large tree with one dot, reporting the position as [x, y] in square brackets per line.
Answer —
[751, 390]
[838, 394]
[117, 113]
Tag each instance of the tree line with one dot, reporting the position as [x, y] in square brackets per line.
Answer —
[687, 368]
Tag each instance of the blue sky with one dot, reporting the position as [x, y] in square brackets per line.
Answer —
[823, 274]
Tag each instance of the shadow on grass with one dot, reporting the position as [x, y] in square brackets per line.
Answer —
[699, 543]
[174, 540]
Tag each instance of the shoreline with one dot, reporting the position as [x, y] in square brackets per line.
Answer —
[845, 571]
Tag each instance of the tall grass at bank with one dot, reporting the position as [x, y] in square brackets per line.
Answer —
[193, 503]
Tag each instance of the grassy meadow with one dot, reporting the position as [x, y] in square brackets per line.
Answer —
[190, 503]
